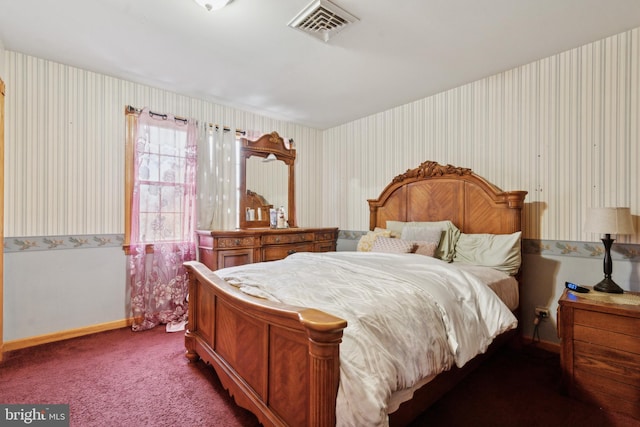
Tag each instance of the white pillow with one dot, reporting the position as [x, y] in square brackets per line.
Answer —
[392, 245]
[499, 251]
[395, 227]
[427, 239]
[421, 232]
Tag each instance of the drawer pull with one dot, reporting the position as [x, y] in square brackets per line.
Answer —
[237, 241]
[277, 240]
[291, 251]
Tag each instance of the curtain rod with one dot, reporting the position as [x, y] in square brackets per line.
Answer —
[131, 109]
[226, 129]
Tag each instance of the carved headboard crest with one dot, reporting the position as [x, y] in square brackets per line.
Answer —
[429, 169]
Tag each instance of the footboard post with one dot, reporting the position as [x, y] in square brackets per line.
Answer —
[189, 339]
[324, 369]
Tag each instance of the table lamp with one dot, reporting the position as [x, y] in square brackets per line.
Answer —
[608, 221]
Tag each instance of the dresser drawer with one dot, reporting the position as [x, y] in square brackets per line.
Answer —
[325, 235]
[272, 253]
[282, 239]
[616, 365]
[328, 246]
[604, 338]
[608, 322]
[234, 257]
[235, 242]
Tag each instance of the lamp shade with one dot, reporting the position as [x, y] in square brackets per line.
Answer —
[609, 221]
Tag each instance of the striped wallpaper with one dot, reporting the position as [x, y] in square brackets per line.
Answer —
[64, 144]
[565, 128]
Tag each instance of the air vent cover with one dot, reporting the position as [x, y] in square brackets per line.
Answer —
[322, 19]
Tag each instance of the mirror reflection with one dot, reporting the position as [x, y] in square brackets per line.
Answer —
[269, 181]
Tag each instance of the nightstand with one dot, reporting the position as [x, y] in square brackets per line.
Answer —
[600, 349]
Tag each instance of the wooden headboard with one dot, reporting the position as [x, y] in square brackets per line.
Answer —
[434, 192]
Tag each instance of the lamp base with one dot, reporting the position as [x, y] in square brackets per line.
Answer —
[609, 286]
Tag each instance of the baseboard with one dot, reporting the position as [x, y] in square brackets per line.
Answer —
[543, 345]
[63, 335]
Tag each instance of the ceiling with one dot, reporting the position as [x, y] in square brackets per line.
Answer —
[245, 55]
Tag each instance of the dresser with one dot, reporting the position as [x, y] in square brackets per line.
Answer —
[600, 349]
[228, 248]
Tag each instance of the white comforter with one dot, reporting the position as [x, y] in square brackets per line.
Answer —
[409, 317]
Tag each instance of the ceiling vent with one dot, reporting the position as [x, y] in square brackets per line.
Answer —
[322, 19]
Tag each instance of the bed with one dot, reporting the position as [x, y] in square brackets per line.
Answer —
[282, 361]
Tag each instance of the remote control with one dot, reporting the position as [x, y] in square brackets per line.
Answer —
[576, 288]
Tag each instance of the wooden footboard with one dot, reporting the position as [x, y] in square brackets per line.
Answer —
[278, 361]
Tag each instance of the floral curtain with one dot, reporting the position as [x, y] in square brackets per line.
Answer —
[163, 219]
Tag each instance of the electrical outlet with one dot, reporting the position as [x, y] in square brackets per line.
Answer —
[542, 312]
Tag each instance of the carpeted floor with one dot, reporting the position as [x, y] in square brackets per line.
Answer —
[121, 378]
[517, 388]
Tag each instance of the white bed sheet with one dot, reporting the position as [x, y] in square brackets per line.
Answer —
[409, 317]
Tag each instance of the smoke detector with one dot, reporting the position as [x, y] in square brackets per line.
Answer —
[322, 19]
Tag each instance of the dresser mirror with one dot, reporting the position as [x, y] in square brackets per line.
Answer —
[266, 180]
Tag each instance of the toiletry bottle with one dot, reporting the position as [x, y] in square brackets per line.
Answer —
[273, 218]
[282, 222]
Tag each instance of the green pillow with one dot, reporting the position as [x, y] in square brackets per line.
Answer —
[499, 251]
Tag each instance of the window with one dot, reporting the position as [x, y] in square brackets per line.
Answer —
[160, 179]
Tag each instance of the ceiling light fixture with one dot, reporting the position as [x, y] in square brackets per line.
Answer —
[213, 4]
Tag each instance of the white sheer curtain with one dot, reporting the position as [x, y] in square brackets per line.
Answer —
[217, 179]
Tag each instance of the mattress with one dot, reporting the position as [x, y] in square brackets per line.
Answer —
[505, 286]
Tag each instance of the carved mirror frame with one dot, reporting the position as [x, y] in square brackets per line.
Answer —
[267, 144]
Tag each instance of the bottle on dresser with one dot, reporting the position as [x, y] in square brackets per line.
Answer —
[282, 218]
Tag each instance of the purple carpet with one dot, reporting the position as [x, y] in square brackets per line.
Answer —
[121, 378]
[517, 388]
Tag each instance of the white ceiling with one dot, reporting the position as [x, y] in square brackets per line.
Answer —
[247, 57]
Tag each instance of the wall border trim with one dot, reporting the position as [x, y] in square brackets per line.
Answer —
[619, 251]
[49, 243]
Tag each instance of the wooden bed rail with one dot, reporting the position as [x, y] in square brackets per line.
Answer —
[278, 361]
